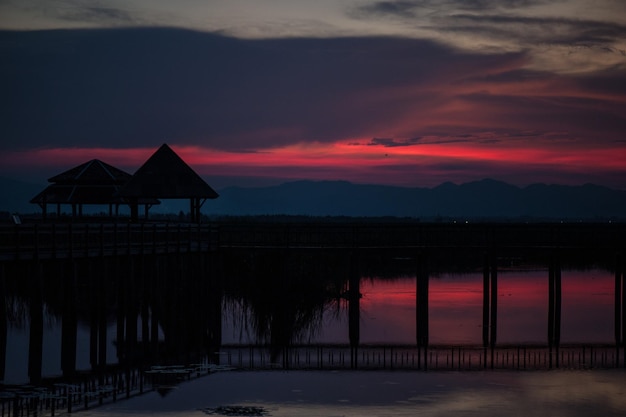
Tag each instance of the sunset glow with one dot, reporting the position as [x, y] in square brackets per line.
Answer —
[381, 92]
[357, 160]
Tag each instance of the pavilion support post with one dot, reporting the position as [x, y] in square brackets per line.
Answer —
[134, 210]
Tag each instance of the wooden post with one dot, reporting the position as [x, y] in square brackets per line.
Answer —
[100, 277]
[3, 322]
[145, 298]
[550, 310]
[93, 317]
[69, 323]
[215, 308]
[486, 304]
[493, 325]
[354, 309]
[421, 310]
[618, 303]
[131, 312]
[557, 306]
[121, 302]
[35, 345]
[554, 307]
[623, 306]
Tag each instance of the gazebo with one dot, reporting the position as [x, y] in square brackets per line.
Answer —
[166, 176]
[94, 183]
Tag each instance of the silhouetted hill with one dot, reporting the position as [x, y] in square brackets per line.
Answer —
[15, 195]
[485, 199]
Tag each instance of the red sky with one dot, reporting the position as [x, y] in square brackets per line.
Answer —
[356, 160]
[386, 93]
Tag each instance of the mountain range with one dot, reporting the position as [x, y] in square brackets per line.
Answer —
[485, 199]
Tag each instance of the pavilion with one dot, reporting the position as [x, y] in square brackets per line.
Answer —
[93, 183]
[166, 176]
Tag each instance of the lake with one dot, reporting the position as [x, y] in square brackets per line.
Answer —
[312, 308]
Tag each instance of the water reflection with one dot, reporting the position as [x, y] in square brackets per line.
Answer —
[278, 298]
[137, 311]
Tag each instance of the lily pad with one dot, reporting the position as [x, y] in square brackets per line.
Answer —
[236, 410]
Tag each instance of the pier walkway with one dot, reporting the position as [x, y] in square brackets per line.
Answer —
[83, 240]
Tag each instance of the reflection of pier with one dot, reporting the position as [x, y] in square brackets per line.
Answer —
[157, 305]
[150, 278]
[408, 357]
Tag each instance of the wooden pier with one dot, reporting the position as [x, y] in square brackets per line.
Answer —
[169, 278]
[84, 240]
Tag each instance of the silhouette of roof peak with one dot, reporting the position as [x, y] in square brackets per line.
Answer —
[166, 175]
[92, 172]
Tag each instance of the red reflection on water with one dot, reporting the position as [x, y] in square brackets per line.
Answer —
[455, 309]
[588, 306]
[388, 310]
[456, 303]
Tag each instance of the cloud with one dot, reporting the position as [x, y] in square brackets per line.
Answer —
[75, 12]
[531, 29]
[416, 8]
[96, 14]
[392, 142]
[420, 101]
[404, 9]
[563, 44]
[146, 86]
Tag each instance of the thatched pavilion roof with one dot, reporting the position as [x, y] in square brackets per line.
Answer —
[166, 175]
[94, 182]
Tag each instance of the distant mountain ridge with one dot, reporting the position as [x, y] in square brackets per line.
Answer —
[485, 199]
[479, 199]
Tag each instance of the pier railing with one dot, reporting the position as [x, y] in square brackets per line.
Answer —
[435, 357]
[82, 240]
[67, 240]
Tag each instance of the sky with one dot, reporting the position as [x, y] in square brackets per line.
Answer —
[407, 92]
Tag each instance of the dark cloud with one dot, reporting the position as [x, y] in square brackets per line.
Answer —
[95, 14]
[143, 87]
[392, 142]
[130, 87]
[536, 29]
[497, 22]
[387, 8]
[414, 8]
